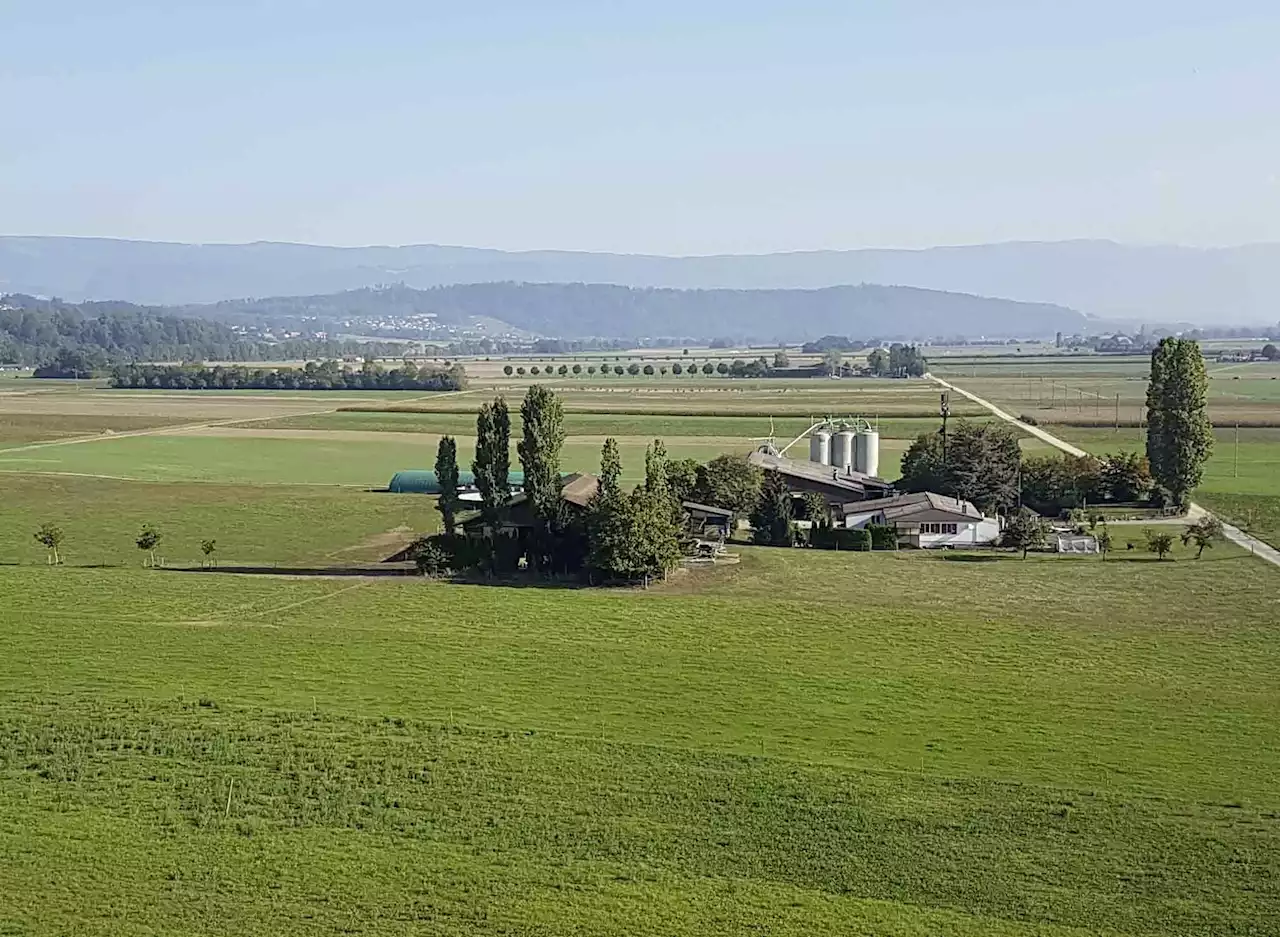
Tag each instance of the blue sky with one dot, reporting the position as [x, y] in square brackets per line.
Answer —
[694, 127]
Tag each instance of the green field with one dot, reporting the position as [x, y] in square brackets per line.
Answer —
[806, 743]
[719, 755]
[641, 424]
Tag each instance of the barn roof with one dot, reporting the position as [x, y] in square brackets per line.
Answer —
[816, 473]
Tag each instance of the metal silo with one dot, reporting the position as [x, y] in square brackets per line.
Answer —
[820, 447]
[866, 453]
[842, 450]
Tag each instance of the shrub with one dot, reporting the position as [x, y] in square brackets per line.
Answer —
[883, 537]
[1028, 419]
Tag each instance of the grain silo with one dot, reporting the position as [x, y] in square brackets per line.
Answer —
[820, 446]
[842, 449]
[866, 452]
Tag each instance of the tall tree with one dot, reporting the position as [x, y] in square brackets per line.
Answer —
[611, 521]
[447, 477]
[492, 464]
[1179, 432]
[729, 481]
[542, 415]
[682, 478]
[657, 528]
[878, 362]
[771, 519]
[980, 463]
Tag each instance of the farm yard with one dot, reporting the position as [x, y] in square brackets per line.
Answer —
[806, 742]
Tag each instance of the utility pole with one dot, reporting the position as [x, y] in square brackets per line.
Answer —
[946, 412]
[1237, 460]
[1117, 413]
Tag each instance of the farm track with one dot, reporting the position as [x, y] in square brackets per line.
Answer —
[1255, 546]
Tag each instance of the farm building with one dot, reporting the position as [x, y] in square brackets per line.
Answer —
[837, 485]
[926, 520]
[706, 519]
[418, 481]
[576, 491]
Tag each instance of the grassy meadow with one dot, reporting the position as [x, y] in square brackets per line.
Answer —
[727, 754]
[807, 742]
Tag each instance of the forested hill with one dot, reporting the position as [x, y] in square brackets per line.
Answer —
[1103, 279]
[38, 331]
[577, 310]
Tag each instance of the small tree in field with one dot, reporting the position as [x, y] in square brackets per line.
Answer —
[1161, 544]
[147, 541]
[208, 547]
[507, 370]
[1104, 542]
[1024, 531]
[1203, 533]
[51, 537]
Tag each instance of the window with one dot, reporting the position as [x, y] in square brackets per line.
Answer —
[937, 528]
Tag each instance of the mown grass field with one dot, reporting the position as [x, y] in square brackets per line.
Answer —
[888, 744]
[729, 754]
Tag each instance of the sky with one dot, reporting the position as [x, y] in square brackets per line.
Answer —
[695, 127]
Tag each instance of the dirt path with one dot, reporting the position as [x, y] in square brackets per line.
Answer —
[1194, 512]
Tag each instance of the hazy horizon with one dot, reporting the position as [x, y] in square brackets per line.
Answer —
[373, 245]
[671, 130]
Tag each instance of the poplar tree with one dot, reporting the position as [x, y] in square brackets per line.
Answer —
[492, 464]
[447, 477]
[611, 520]
[657, 527]
[1179, 432]
[542, 415]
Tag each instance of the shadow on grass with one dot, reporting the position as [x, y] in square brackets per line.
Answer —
[348, 571]
[383, 572]
[975, 557]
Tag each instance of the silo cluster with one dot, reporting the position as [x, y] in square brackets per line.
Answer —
[846, 446]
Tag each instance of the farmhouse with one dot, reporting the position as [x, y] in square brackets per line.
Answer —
[926, 520]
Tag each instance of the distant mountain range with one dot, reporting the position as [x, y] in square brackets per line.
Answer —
[577, 310]
[1100, 278]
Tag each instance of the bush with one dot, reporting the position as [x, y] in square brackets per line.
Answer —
[839, 538]
[883, 537]
[442, 554]
[1028, 419]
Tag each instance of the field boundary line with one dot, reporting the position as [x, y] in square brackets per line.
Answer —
[187, 427]
[1237, 536]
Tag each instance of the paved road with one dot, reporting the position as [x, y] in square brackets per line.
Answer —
[1194, 513]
